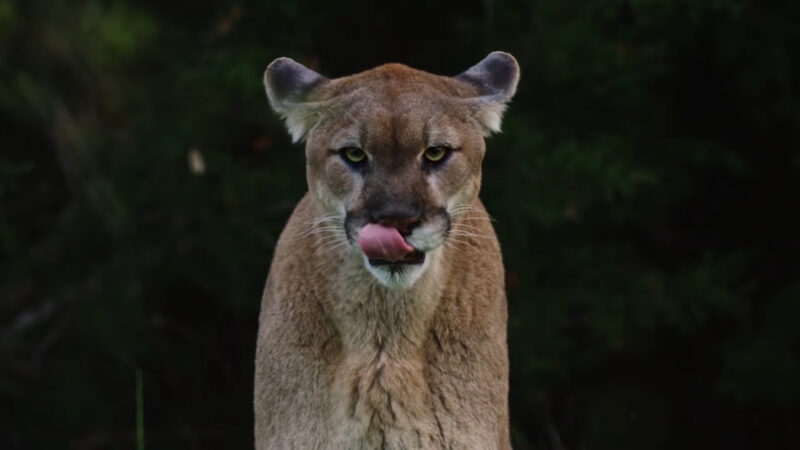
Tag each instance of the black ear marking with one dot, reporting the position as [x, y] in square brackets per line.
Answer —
[286, 80]
[288, 84]
[496, 76]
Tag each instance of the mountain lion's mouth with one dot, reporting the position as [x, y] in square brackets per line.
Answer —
[384, 243]
[414, 257]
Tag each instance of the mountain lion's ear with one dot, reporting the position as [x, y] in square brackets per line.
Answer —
[496, 78]
[288, 84]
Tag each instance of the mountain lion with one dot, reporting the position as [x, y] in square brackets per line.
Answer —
[383, 320]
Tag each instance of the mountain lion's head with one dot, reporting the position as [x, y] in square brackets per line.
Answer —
[393, 154]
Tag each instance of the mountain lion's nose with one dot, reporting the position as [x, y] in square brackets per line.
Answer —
[402, 218]
[403, 224]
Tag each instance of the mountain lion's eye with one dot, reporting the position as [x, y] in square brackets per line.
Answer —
[436, 154]
[354, 155]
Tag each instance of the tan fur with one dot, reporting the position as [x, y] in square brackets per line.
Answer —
[347, 362]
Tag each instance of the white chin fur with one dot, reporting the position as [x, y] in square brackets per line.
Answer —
[401, 278]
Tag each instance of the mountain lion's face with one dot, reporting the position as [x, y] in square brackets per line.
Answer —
[393, 154]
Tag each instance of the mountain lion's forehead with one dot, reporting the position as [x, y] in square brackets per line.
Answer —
[390, 81]
[395, 93]
[407, 115]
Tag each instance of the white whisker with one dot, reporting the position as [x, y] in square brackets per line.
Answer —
[327, 221]
[468, 234]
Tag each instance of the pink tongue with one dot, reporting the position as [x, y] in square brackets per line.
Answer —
[380, 242]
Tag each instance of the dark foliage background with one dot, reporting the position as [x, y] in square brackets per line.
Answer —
[645, 190]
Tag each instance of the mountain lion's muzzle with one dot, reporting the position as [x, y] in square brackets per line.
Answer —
[394, 235]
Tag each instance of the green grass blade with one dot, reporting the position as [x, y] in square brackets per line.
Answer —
[139, 411]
